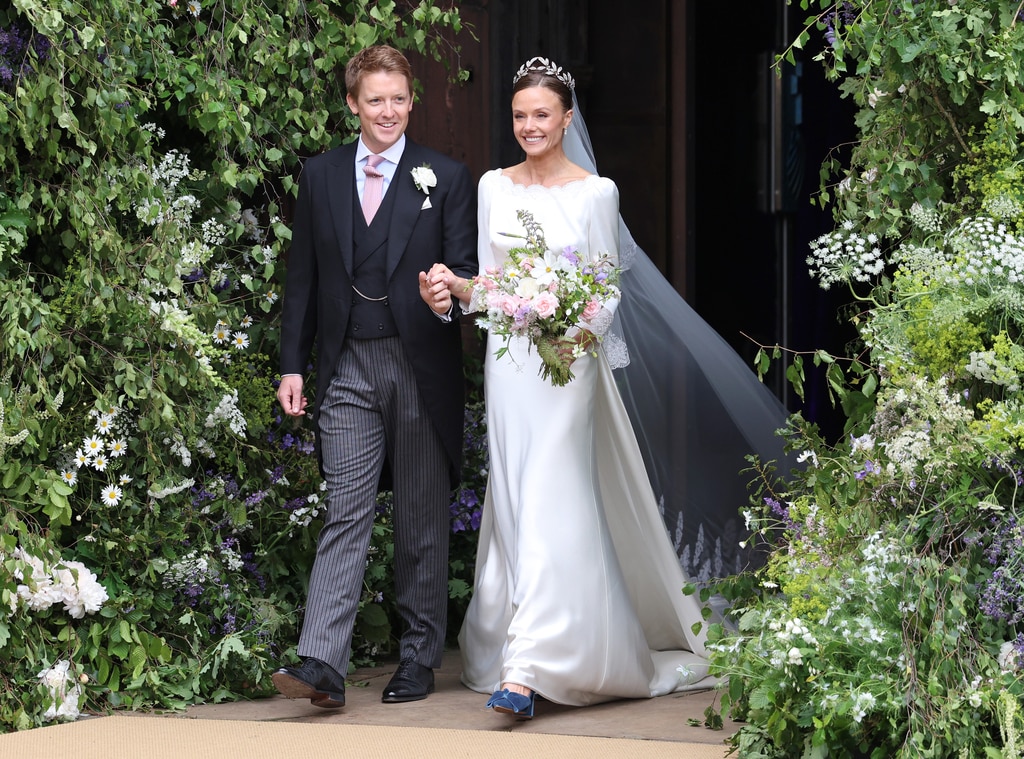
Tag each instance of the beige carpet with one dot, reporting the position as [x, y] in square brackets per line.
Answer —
[120, 737]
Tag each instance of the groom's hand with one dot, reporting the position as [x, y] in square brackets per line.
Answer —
[289, 393]
[434, 292]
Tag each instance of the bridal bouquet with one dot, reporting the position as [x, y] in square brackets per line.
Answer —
[548, 297]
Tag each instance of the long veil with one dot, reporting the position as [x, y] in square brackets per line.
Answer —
[696, 408]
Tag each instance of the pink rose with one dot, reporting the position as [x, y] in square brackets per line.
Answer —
[545, 305]
[592, 309]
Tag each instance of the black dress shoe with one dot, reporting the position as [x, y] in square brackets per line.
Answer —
[313, 680]
[411, 682]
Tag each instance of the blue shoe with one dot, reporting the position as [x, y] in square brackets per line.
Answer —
[510, 702]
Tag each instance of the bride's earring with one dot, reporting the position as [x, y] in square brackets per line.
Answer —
[565, 131]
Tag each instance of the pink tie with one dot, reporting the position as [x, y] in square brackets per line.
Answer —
[373, 190]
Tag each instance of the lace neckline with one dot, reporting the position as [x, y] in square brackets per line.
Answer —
[554, 188]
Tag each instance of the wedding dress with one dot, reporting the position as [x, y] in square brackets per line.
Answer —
[578, 589]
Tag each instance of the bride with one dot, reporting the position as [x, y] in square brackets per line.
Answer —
[578, 589]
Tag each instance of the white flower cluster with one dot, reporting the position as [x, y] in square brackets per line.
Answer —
[191, 569]
[302, 516]
[170, 489]
[179, 210]
[1002, 206]
[263, 254]
[176, 445]
[793, 631]
[845, 256]
[98, 451]
[173, 168]
[227, 412]
[251, 224]
[66, 582]
[986, 254]
[214, 233]
[193, 255]
[926, 219]
[864, 443]
[159, 131]
[915, 420]
[1010, 658]
[65, 694]
[231, 558]
[921, 260]
[988, 367]
[863, 703]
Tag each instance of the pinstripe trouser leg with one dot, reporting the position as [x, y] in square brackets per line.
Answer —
[372, 409]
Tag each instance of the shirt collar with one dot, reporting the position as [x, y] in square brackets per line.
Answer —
[392, 154]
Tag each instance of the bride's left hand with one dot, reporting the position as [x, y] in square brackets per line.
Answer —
[567, 346]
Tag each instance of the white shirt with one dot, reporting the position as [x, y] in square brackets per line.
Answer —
[387, 167]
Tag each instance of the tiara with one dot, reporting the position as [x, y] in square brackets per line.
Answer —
[540, 65]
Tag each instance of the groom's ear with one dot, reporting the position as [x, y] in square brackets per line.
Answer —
[351, 101]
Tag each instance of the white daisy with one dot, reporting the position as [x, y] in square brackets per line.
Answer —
[241, 340]
[92, 445]
[104, 424]
[111, 495]
[100, 463]
[221, 333]
[81, 458]
[70, 476]
[124, 479]
[246, 321]
[117, 448]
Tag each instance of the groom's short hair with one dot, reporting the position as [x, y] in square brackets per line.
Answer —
[371, 60]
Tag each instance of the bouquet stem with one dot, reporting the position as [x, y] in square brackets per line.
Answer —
[556, 360]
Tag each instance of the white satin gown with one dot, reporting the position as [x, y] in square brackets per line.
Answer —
[578, 590]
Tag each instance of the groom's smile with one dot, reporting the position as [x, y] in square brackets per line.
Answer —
[382, 104]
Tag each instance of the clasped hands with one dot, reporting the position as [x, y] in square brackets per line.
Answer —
[439, 285]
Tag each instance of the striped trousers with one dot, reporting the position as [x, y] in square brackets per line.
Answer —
[373, 409]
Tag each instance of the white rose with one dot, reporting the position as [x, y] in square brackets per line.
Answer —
[424, 178]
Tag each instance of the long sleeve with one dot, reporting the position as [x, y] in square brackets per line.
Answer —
[603, 229]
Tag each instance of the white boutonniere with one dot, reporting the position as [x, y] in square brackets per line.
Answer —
[423, 177]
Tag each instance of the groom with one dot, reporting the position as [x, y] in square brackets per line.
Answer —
[371, 217]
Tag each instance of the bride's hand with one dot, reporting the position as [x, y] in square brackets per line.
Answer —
[571, 348]
[457, 286]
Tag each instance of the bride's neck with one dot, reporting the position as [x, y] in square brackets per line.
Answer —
[548, 170]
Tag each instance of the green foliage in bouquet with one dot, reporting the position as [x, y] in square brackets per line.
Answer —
[159, 513]
[888, 619]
